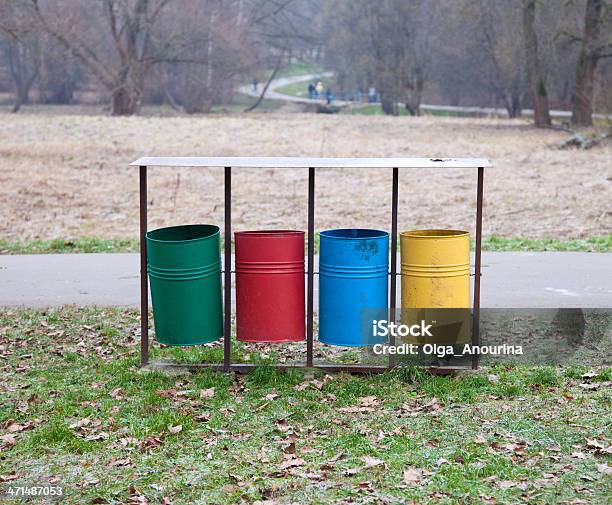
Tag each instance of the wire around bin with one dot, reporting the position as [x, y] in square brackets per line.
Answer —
[316, 272]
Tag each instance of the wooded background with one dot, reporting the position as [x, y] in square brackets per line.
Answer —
[516, 54]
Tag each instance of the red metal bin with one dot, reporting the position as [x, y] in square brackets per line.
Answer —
[270, 286]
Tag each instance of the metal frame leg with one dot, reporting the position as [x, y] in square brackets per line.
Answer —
[477, 266]
[227, 305]
[144, 282]
[311, 241]
[393, 283]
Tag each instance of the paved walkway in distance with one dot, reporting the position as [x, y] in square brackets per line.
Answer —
[273, 94]
[509, 280]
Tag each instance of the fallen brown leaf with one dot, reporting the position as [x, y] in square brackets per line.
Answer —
[371, 462]
[303, 386]
[369, 401]
[412, 476]
[366, 485]
[81, 423]
[8, 440]
[15, 427]
[120, 462]
[289, 448]
[330, 464]
[116, 393]
[97, 436]
[151, 442]
[207, 393]
[8, 477]
[291, 461]
[604, 468]
[540, 483]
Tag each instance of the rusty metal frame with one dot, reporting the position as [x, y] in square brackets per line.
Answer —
[144, 281]
[477, 266]
[310, 272]
[393, 260]
[227, 365]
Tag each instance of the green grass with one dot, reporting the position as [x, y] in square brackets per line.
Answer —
[80, 245]
[492, 243]
[240, 102]
[502, 435]
[300, 68]
[451, 113]
[591, 244]
[370, 109]
[374, 109]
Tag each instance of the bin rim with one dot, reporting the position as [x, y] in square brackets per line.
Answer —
[269, 233]
[212, 231]
[346, 233]
[434, 233]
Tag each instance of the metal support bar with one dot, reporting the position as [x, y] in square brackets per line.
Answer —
[227, 287]
[310, 277]
[477, 266]
[144, 282]
[393, 280]
[331, 367]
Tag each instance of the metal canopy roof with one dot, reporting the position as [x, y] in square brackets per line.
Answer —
[305, 162]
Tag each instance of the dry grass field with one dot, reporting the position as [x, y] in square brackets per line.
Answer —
[67, 175]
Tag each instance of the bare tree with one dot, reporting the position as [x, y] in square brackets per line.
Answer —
[279, 62]
[535, 77]
[595, 44]
[380, 44]
[194, 86]
[280, 29]
[194, 54]
[21, 49]
[136, 42]
[60, 73]
[224, 47]
[503, 51]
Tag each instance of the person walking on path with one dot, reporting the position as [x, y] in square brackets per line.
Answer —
[311, 90]
[319, 89]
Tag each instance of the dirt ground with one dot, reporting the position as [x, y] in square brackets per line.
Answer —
[67, 175]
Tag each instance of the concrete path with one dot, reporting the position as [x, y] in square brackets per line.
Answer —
[509, 280]
[273, 94]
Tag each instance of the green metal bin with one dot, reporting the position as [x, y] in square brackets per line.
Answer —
[184, 267]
